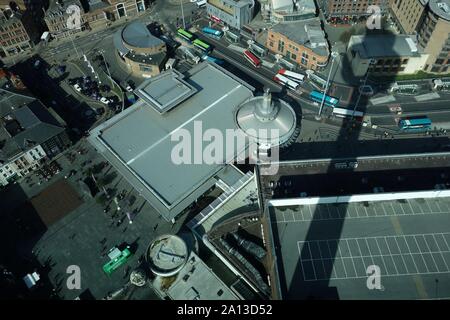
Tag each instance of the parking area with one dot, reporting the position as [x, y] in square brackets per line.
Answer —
[409, 240]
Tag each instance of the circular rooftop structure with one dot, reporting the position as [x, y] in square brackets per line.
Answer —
[441, 8]
[167, 255]
[137, 35]
[260, 116]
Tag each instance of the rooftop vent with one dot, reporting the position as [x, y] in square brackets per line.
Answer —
[444, 7]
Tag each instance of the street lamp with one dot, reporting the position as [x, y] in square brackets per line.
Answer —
[371, 62]
[182, 14]
[107, 69]
[334, 54]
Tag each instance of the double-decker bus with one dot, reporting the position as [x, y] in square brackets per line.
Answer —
[421, 123]
[202, 45]
[285, 81]
[213, 59]
[212, 32]
[329, 101]
[298, 77]
[185, 35]
[347, 113]
[252, 58]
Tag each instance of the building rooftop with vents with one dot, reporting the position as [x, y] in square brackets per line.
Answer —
[308, 33]
[138, 140]
[24, 123]
[381, 46]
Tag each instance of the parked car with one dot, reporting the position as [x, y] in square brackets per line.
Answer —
[77, 87]
[104, 100]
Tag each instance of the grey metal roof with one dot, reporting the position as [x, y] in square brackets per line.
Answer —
[307, 32]
[137, 35]
[379, 45]
[138, 140]
[36, 124]
[261, 125]
[165, 91]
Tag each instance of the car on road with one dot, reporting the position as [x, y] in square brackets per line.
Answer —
[104, 100]
[77, 87]
[130, 86]
[366, 90]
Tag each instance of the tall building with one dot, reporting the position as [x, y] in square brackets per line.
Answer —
[434, 36]
[430, 21]
[407, 14]
[302, 42]
[338, 11]
[234, 13]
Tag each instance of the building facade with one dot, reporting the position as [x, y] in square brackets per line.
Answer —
[143, 54]
[384, 55]
[21, 165]
[346, 11]
[234, 13]
[97, 14]
[407, 14]
[434, 36]
[302, 42]
[288, 11]
[14, 37]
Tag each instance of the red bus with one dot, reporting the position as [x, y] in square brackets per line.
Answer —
[252, 58]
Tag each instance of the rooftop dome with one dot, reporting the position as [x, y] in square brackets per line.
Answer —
[260, 116]
[167, 255]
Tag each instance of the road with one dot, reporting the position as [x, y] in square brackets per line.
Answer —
[169, 13]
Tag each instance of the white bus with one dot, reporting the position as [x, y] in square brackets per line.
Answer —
[345, 113]
[292, 75]
[286, 82]
[201, 3]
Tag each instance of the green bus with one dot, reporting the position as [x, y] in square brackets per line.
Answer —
[118, 257]
[185, 35]
[202, 45]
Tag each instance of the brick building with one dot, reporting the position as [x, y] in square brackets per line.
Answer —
[94, 15]
[345, 11]
[302, 42]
